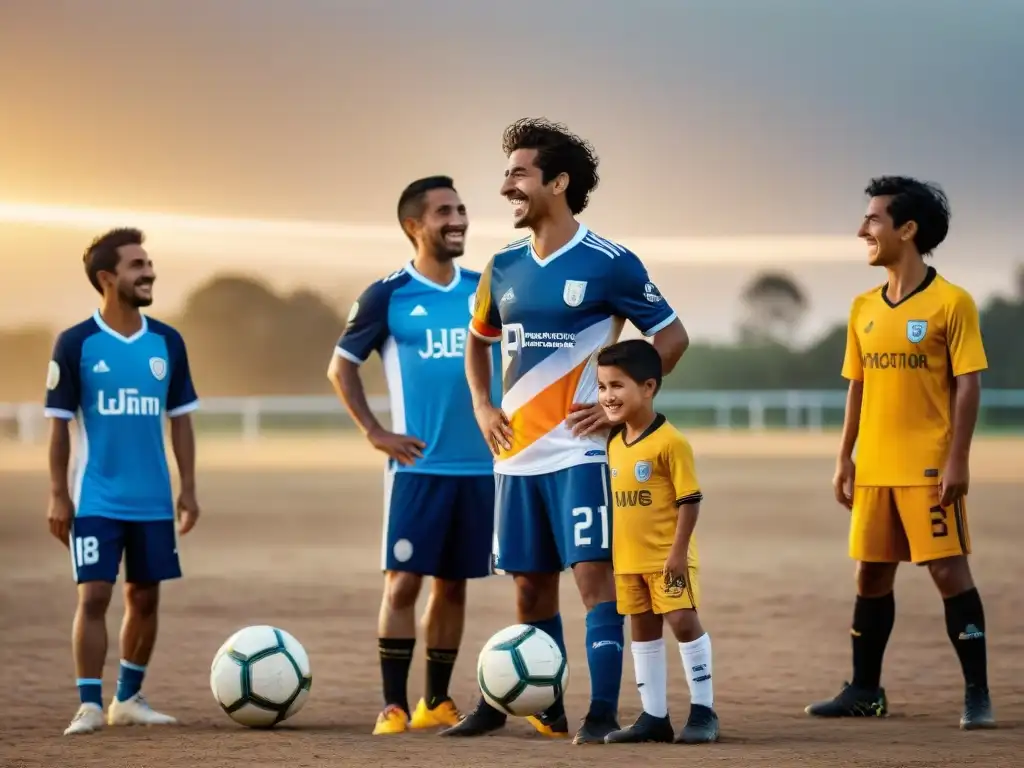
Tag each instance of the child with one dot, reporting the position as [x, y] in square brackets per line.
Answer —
[657, 499]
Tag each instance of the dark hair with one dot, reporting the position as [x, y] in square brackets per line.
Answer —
[558, 151]
[636, 358]
[921, 201]
[102, 254]
[413, 198]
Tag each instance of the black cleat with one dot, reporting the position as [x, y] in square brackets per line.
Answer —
[595, 728]
[647, 728]
[483, 719]
[977, 709]
[852, 702]
[701, 726]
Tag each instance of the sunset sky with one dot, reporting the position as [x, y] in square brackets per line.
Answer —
[276, 136]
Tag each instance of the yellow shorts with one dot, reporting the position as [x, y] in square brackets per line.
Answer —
[643, 592]
[892, 525]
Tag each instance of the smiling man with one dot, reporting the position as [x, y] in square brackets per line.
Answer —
[439, 482]
[914, 357]
[554, 300]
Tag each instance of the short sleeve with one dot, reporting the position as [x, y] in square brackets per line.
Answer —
[181, 392]
[853, 368]
[683, 473]
[633, 296]
[366, 329]
[486, 321]
[63, 381]
[963, 336]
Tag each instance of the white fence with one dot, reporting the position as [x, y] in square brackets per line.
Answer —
[748, 410]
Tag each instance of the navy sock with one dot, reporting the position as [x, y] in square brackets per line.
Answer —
[604, 658]
[129, 680]
[553, 627]
[90, 691]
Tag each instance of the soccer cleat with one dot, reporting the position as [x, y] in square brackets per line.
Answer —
[852, 702]
[595, 729]
[87, 719]
[445, 713]
[701, 726]
[135, 711]
[553, 727]
[977, 709]
[393, 719]
[646, 728]
[483, 719]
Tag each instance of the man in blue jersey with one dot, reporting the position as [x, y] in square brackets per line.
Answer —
[553, 301]
[119, 374]
[439, 482]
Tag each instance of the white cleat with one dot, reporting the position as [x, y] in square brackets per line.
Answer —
[135, 711]
[87, 719]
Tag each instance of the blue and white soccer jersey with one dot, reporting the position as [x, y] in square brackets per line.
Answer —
[439, 512]
[120, 389]
[552, 317]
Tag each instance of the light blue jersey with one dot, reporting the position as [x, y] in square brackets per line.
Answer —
[419, 329]
[120, 389]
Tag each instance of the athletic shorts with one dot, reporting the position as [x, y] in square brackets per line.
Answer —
[149, 548]
[547, 523]
[891, 525]
[642, 592]
[438, 525]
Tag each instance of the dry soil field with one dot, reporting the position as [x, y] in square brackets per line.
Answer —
[290, 536]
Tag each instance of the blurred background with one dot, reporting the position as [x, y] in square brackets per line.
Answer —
[262, 145]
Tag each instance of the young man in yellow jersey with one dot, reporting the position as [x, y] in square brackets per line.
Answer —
[914, 357]
[657, 499]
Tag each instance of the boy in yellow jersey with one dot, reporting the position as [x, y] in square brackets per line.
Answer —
[657, 499]
[914, 357]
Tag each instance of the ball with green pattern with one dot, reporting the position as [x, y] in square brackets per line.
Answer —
[521, 671]
[261, 676]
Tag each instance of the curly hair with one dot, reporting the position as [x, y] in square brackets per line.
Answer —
[921, 201]
[558, 151]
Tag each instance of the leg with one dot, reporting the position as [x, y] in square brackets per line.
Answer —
[878, 543]
[939, 537]
[151, 556]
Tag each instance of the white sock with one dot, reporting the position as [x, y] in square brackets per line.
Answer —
[651, 676]
[697, 665]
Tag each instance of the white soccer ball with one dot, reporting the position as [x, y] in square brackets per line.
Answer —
[260, 676]
[521, 671]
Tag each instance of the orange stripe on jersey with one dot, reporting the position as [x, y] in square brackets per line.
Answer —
[544, 412]
[484, 317]
[480, 328]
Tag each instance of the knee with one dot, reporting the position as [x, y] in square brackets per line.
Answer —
[401, 590]
[142, 599]
[93, 600]
[449, 592]
[536, 596]
[875, 579]
[951, 575]
[596, 583]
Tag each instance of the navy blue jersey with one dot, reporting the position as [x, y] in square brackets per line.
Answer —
[120, 389]
[419, 329]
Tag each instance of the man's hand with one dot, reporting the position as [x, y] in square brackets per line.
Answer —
[187, 511]
[587, 419]
[59, 515]
[404, 449]
[842, 481]
[675, 568]
[956, 477]
[494, 426]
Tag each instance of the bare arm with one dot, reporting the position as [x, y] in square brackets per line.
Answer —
[60, 457]
[965, 414]
[685, 526]
[348, 386]
[478, 370]
[183, 443]
[851, 420]
[671, 342]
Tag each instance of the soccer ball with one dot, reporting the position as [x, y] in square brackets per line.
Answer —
[260, 676]
[521, 671]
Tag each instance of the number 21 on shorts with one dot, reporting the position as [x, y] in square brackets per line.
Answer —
[582, 528]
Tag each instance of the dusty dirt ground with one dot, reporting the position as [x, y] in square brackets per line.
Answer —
[294, 541]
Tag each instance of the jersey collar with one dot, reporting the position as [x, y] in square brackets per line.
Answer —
[126, 339]
[430, 283]
[576, 239]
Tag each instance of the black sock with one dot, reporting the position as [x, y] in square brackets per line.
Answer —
[965, 625]
[395, 659]
[873, 619]
[440, 662]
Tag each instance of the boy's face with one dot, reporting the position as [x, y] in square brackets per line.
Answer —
[619, 395]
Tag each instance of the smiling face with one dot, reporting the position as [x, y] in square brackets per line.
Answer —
[133, 277]
[442, 228]
[525, 190]
[620, 396]
[886, 243]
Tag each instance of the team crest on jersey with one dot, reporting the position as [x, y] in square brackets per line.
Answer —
[642, 471]
[651, 293]
[916, 330]
[52, 375]
[158, 367]
[574, 292]
[352, 312]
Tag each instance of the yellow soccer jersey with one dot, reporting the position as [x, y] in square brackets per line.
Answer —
[907, 354]
[651, 478]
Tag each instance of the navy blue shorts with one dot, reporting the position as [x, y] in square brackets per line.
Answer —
[547, 523]
[438, 525]
[149, 547]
